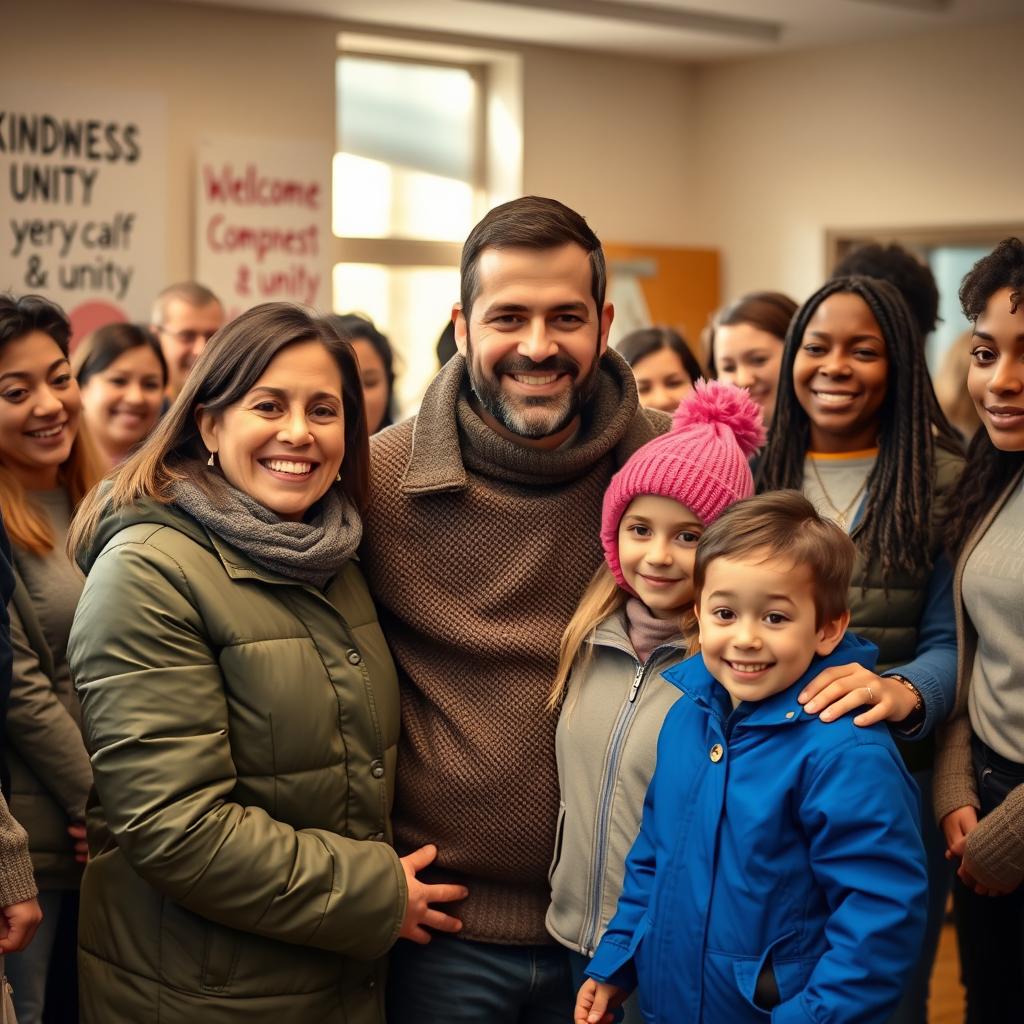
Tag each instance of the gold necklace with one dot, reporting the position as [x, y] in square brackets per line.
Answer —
[841, 515]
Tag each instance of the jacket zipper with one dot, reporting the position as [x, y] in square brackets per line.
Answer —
[592, 920]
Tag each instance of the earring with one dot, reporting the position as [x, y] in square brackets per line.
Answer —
[337, 479]
[209, 461]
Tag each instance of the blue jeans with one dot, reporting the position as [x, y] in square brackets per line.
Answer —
[456, 981]
[27, 970]
[913, 1007]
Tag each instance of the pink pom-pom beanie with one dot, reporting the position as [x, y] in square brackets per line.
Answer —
[702, 462]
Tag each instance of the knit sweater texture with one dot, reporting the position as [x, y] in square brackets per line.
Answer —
[996, 845]
[477, 550]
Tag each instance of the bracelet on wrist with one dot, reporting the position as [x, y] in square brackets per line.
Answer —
[918, 714]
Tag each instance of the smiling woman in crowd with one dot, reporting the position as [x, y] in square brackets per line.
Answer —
[979, 778]
[122, 375]
[241, 704]
[46, 466]
[746, 342]
[663, 365]
[858, 429]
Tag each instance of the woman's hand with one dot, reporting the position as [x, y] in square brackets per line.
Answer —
[81, 843]
[419, 915]
[843, 688]
[957, 826]
[595, 1001]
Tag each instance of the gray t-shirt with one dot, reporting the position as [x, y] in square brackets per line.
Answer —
[993, 588]
[53, 582]
[835, 484]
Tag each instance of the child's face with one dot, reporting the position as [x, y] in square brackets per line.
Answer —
[757, 624]
[657, 544]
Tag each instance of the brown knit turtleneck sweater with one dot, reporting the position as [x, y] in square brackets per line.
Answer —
[477, 551]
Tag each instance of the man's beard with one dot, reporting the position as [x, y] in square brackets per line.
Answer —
[532, 416]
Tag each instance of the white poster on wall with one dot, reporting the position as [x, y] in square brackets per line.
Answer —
[263, 221]
[83, 181]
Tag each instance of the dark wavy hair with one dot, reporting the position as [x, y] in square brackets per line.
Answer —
[912, 278]
[900, 491]
[988, 469]
[638, 344]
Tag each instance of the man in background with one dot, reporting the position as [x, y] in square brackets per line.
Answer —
[185, 317]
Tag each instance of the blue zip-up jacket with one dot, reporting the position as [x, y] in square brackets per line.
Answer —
[770, 839]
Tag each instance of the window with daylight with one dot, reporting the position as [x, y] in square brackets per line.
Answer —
[409, 183]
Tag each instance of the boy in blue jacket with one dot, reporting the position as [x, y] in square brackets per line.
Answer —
[778, 874]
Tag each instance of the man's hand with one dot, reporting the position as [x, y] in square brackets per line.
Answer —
[419, 915]
[595, 1002]
[18, 924]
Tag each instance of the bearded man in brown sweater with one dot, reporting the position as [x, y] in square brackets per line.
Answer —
[481, 536]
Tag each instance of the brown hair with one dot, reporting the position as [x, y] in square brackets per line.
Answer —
[531, 222]
[767, 311]
[27, 524]
[229, 367]
[645, 341]
[104, 346]
[785, 525]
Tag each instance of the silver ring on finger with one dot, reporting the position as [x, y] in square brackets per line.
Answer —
[871, 696]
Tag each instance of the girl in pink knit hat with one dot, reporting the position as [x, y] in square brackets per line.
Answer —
[634, 621]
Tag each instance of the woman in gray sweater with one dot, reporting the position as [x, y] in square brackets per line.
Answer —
[45, 469]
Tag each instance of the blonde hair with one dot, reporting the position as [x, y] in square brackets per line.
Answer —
[602, 599]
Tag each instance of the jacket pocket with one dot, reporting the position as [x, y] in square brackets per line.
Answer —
[220, 958]
[768, 980]
[559, 834]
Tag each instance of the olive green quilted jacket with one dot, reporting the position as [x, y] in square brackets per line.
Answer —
[242, 730]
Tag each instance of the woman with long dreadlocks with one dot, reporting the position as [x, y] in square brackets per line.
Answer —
[979, 777]
[858, 429]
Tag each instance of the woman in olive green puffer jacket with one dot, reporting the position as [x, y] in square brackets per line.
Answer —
[240, 705]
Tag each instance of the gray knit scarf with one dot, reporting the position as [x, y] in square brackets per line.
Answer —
[311, 551]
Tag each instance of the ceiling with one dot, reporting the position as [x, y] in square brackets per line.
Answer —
[684, 30]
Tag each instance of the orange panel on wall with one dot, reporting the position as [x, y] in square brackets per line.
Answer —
[684, 289]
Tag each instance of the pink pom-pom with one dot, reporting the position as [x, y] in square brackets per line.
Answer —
[714, 402]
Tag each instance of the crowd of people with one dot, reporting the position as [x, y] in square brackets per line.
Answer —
[665, 683]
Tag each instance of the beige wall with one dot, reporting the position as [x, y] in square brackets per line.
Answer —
[912, 132]
[611, 138]
[604, 134]
[756, 158]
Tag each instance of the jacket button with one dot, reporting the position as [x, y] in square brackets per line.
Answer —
[354, 657]
[377, 770]
[716, 753]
